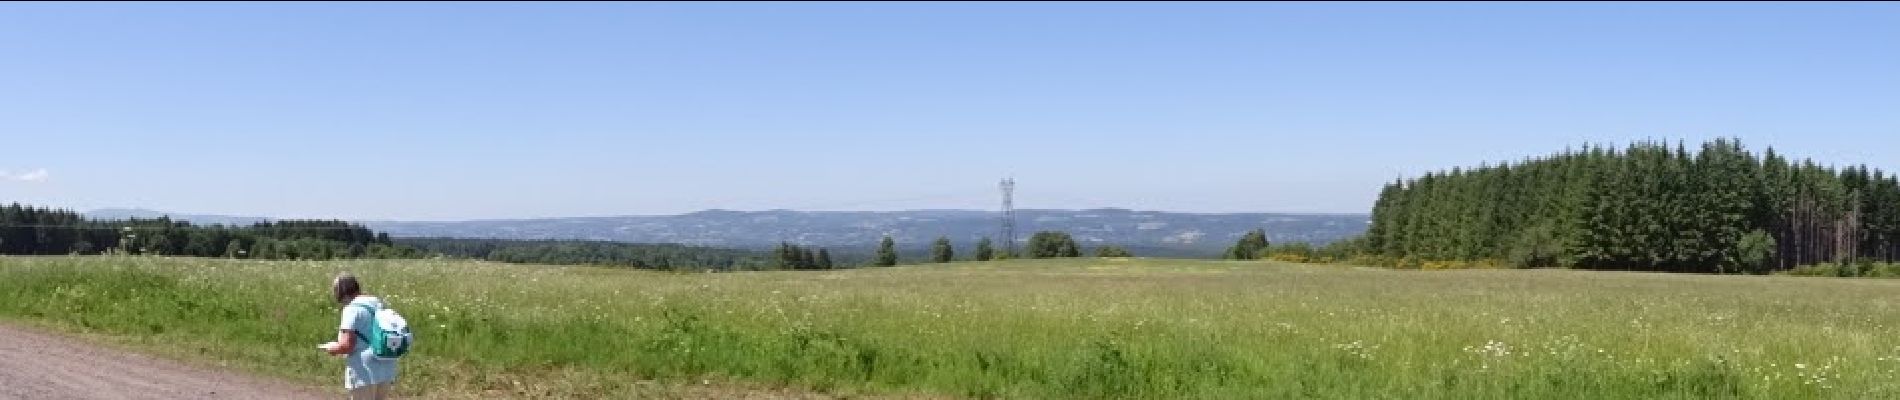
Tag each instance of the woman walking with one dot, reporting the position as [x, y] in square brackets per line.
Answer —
[365, 375]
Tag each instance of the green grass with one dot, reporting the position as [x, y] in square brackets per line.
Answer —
[1020, 329]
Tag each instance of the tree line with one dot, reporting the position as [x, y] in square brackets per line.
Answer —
[1044, 244]
[791, 256]
[1646, 207]
[27, 230]
[1254, 245]
[785, 256]
[584, 252]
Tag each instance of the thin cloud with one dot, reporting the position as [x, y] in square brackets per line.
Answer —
[37, 175]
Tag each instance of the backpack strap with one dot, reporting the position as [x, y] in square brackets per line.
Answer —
[372, 320]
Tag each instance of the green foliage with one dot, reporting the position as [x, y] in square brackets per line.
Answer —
[581, 252]
[43, 231]
[789, 256]
[1052, 244]
[886, 253]
[824, 259]
[1299, 252]
[1650, 207]
[1108, 251]
[940, 251]
[1342, 250]
[984, 250]
[1753, 251]
[1250, 246]
[1865, 269]
[1537, 247]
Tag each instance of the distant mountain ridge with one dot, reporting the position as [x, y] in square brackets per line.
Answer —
[1172, 233]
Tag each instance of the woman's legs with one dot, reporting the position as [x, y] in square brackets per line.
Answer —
[378, 391]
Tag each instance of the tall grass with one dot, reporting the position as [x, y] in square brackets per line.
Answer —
[1017, 329]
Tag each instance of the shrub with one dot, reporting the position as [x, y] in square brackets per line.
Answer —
[1536, 247]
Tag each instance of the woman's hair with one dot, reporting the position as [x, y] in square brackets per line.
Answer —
[345, 288]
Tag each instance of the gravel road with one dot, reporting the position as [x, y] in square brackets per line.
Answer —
[42, 366]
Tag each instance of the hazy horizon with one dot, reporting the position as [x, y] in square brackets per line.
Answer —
[213, 214]
[432, 112]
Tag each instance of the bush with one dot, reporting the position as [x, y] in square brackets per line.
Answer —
[1290, 252]
[1848, 270]
[1409, 262]
[1881, 270]
[1812, 270]
[1754, 250]
[1052, 244]
[1341, 250]
[1372, 260]
[1250, 246]
[1455, 264]
[1290, 257]
[1536, 247]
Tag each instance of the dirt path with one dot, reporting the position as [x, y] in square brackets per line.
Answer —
[38, 365]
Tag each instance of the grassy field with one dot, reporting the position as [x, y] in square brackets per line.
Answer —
[1021, 329]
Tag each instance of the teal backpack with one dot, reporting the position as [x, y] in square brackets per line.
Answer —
[388, 333]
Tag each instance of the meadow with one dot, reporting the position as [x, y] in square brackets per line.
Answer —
[1080, 328]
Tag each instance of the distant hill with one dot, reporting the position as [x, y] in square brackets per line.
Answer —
[1159, 233]
[1150, 233]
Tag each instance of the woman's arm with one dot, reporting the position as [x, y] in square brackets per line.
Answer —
[345, 332]
[345, 341]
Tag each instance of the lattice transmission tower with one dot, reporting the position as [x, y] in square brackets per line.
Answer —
[1009, 215]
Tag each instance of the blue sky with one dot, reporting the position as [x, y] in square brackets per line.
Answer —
[461, 111]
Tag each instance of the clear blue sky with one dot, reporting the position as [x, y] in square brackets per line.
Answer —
[460, 111]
